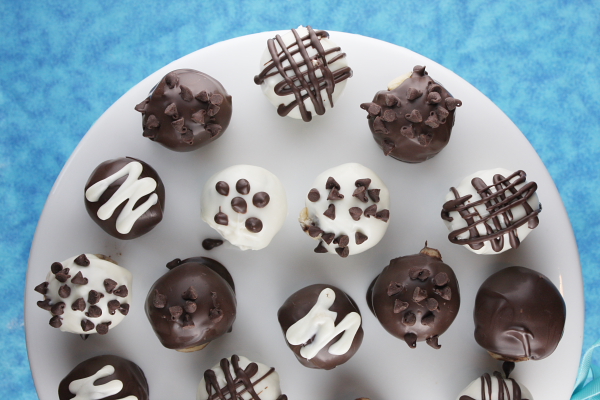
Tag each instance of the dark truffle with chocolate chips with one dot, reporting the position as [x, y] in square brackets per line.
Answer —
[192, 304]
[416, 298]
[104, 377]
[519, 315]
[412, 120]
[322, 325]
[186, 110]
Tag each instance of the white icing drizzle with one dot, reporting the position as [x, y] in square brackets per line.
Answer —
[84, 389]
[132, 190]
[320, 324]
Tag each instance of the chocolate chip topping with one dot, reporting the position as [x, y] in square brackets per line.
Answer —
[82, 260]
[58, 308]
[428, 319]
[190, 307]
[445, 293]
[121, 291]
[321, 248]
[190, 294]
[335, 194]
[124, 309]
[78, 305]
[328, 237]
[355, 213]
[314, 195]
[342, 240]
[56, 267]
[160, 300]
[102, 328]
[419, 294]
[365, 182]
[209, 244]
[42, 288]
[78, 279]
[55, 322]
[171, 111]
[87, 325]
[399, 306]
[383, 215]
[239, 205]
[44, 304]
[394, 288]
[342, 251]
[113, 306]
[440, 279]
[374, 194]
[94, 312]
[314, 231]
[254, 225]
[421, 274]
[64, 291]
[361, 194]
[222, 188]
[431, 304]
[63, 275]
[221, 218]
[94, 297]
[109, 285]
[176, 312]
[370, 211]
[409, 319]
[330, 212]
[433, 342]
[332, 183]
[360, 238]
[187, 322]
[242, 186]
[261, 199]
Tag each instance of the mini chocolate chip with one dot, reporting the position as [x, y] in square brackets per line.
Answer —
[440, 279]
[383, 215]
[320, 248]
[433, 87]
[216, 99]
[342, 241]
[190, 307]
[87, 325]
[102, 328]
[389, 116]
[355, 213]
[82, 260]
[239, 205]
[109, 285]
[78, 279]
[314, 195]
[78, 305]
[332, 183]
[64, 291]
[425, 139]
[335, 194]
[42, 288]
[209, 244]
[433, 342]
[409, 318]
[394, 288]
[314, 231]
[221, 218]
[187, 322]
[44, 305]
[328, 237]
[222, 188]
[391, 100]
[213, 110]
[361, 194]
[365, 182]
[190, 294]
[379, 126]
[261, 199]
[215, 314]
[160, 300]
[55, 322]
[94, 297]
[152, 123]
[413, 93]
[411, 340]
[388, 147]
[433, 98]
[141, 107]
[407, 131]
[360, 237]
[419, 70]
[124, 309]
[414, 116]
[56, 267]
[63, 275]
[94, 312]
[150, 135]
[58, 308]
[172, 80]
[374, 109]
[203, 96]
[370, 211]
[432, 121]
[441, 112]
[419, 294]
[374, 194]
[121, 291]
[214, 129]
[186, 94]
[173, 263]
[187, 136]
[254, 225]
[399, 306]
[179, 125]
[113, 306]
[452, 103]
[242, 186]
[342, 251]
[171, 111]
[330, 212]
[421, 274]
[199, 117]
[176, 312]
[445, 292]
[431, 304]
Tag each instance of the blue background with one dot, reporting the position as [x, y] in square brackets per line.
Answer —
[62, 63]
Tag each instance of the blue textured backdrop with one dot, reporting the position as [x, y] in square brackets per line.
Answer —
[62, 63]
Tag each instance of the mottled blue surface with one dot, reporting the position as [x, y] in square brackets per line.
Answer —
[62, 63]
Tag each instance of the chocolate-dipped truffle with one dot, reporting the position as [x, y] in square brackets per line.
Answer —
[192, 304]
[413, 119]
[186, 110]
[495, 387]
[125, 197]
[239, 378]
[86, 294]
[491, 211]
[347, 210]
[519, 315]
[247, 205]
[416, 297]
[104, 378]
[322, 325]
[303, 72]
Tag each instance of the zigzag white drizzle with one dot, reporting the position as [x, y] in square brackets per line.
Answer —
[84, 389]
[132, 190]
[320, 323]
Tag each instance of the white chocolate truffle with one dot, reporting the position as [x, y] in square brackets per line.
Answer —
[494, 387]
[247, 205]
[314, 79]
[347, 210]
[86, 294]
[240, 371]
[491, 211]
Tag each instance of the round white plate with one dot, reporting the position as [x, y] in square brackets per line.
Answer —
[384, 368]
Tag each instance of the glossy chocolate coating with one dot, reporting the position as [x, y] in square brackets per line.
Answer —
[412, 122]
[147, 221]
[415, 298]
[186, 110]
[181, 321]
[132, 377]
[299, 304]
[519, 315]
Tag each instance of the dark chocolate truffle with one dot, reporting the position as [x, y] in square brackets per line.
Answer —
[192, 304]
[125, 197]
[322, 325]
[413, 119]
[416, 297]
[186, 110]
[104, 378]
[519, 315]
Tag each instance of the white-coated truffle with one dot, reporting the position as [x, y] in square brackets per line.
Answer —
[314, 79]
[246, 204]
[494, 387]
[491, 211]
[347, 210]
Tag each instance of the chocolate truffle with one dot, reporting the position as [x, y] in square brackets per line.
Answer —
[322, 325]
[416, 297]
[239, 378]
[495, 387]
[519, 315]
[491, 211]
[192, 304]
[413, 119]
[303, 72]
[247, 205]
[104, 378]
[347, 210]
[125, 197]
[86, 294]
[186, 110]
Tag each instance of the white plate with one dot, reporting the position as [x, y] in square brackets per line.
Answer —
[384, 368]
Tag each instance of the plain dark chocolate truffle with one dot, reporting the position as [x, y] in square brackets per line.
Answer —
[95, 375]
[186, 110]
[125, 197]
[302, 318]
[192, 304]
[416, 298]
[519, 315]
[412, 121]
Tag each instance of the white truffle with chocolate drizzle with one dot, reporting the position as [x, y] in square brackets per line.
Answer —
[347, 210]
[246, 204]
[495, 387]
[86, 294]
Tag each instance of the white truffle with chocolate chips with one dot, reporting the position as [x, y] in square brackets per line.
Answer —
[246, 204]
[347, 210]
[86, 294]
